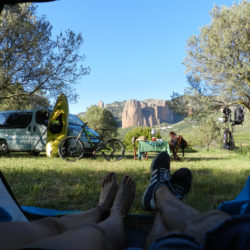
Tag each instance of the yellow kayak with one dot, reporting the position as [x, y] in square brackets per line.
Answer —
[57, 126]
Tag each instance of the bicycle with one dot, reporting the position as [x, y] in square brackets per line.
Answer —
[71, 147]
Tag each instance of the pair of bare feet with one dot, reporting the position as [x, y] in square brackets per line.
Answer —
[114, 197]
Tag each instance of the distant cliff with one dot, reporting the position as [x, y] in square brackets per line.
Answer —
[148, 113]
[116, 109]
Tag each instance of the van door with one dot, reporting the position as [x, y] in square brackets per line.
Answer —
[15, 127]
[38, 130]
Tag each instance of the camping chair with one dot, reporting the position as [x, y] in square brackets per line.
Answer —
[135, 141]
[180, 144]
[175, 148]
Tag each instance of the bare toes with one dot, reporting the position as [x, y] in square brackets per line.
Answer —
[104, 181]
[107, 178]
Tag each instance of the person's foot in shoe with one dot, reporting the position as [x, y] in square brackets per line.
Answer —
[161, 160]
[181, 181]
[125, 195]
[159, 175]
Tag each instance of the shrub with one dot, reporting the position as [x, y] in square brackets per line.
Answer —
[136, 132]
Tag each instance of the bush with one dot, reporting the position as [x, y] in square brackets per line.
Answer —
[99, 119]
[136, 132]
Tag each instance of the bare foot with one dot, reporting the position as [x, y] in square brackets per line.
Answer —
[125, 195]
[108, 192]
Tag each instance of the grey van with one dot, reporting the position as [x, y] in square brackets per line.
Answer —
[26, 131]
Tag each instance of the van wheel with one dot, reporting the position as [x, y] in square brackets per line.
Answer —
[3, 147]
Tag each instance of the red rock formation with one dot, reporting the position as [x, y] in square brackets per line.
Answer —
[146, 113]
[131, 115]
[101, 104]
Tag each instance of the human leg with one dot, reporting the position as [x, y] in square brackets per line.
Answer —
[183, 218]
[108, 234]
[193, 229]
[16, 234]
[121, 206]
[161, 196]
[108, 191]
[160, 175]
[158, 229]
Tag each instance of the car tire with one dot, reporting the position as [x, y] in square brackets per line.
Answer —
[3, 147]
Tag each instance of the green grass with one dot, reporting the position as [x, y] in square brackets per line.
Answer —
[218, 175]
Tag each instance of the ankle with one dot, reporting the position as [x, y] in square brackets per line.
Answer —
[104, 211]
[162, 191]
[162, 196]
[117, 210]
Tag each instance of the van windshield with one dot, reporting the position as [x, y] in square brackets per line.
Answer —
[74, 120]
[42, 117]
[15, 119]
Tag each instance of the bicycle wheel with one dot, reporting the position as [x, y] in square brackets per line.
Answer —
[113, 150]
[71, 149]
[3, 147]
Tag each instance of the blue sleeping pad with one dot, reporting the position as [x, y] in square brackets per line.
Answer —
[240, 205]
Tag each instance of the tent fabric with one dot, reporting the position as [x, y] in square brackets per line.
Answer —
[9, 208]
[240, 205]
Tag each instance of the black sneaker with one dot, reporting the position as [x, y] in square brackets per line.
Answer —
[181, 182]
[159, 175]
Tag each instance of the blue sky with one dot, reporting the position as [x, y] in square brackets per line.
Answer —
[134, 48]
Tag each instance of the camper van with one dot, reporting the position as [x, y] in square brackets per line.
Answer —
[26, 131]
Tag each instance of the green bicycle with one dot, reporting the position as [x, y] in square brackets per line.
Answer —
[72, 147]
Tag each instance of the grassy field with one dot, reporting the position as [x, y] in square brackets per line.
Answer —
[218, 175]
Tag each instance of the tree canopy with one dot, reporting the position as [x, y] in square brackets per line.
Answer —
[208, 131]
[99, 118]
[33, 66]
[217, 60]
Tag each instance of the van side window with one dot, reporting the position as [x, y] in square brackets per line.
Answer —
[15, 119]
[42, 117]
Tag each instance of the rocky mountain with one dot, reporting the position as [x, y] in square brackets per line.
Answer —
[116, 109]
[148, 113]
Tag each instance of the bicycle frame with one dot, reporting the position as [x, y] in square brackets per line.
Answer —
[99, 147]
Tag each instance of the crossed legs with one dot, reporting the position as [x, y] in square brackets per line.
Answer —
[23, 233]
[175, 216]
[103, 228]
[88, 230]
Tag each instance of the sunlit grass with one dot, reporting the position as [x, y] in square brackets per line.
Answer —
[218, 175]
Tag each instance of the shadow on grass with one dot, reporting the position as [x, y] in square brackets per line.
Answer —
[212, 187]
[129, 155]
[79, 188]
[212, 158]
[43, 155]
[22, 155]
